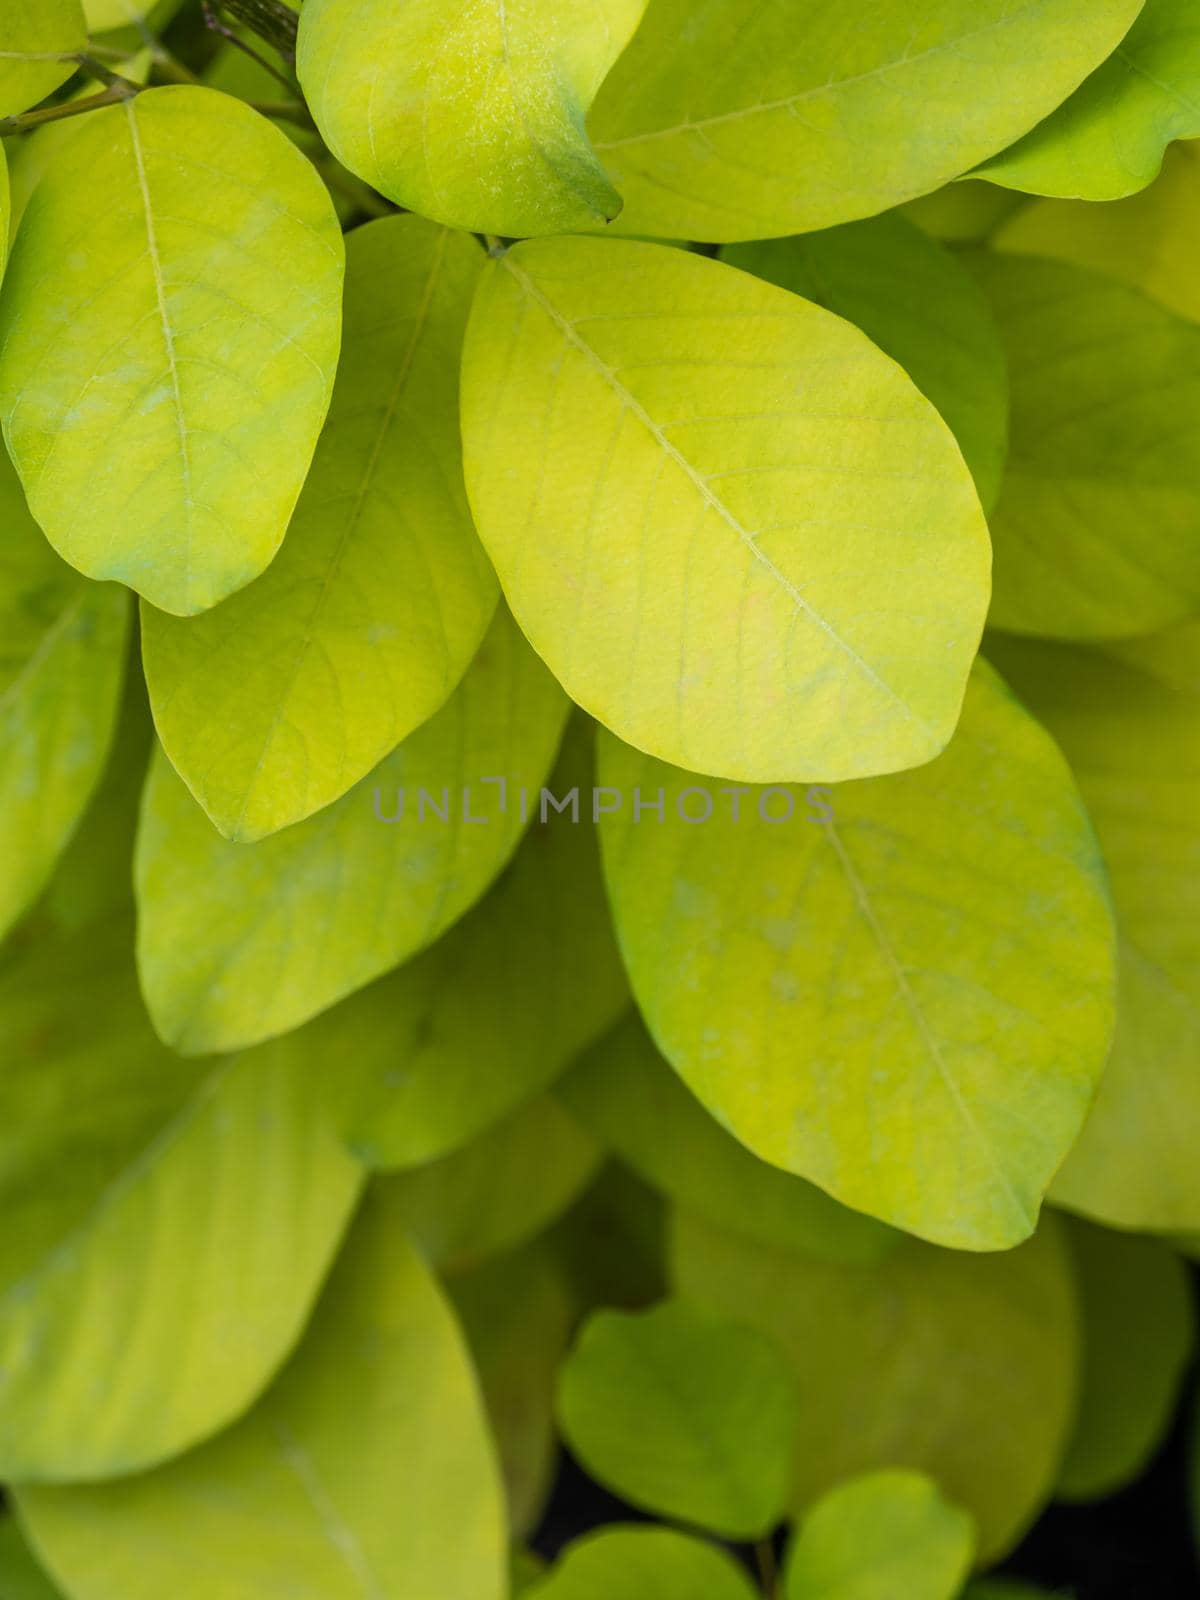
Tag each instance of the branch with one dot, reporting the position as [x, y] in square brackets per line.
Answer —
[271, 20]
[113, 95]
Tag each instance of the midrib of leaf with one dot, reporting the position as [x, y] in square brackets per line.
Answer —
[630, 402]
[920, 1022]
[45, 646]
[789, 102]
[168, 334]
[37, 55]
[351, 524]
[337, 1530]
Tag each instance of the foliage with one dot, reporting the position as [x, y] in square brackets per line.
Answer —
[631, 881]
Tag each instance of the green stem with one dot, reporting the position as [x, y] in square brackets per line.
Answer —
[113, 95]
[272, 20]
[768, 1568]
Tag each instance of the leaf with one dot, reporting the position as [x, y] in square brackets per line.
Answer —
[210, 1197]
[1108, 139]
[505, 1186]
[517, 1312]
[365, 1470]
[39, 40]
[471, 115]
[781, 116]
[1131, 730]
[105, 15]
[1139, 1334]
[623, 1090]
[276, 703]
[968, 211]
[920, 307]
[879, 1536]
[204, 320]
[492, 1013]
[237, 943]
[62, 660]
[960, 1366]
[1150, 240]
[611, 1243]
[700, 530]
[684, 1414]
[901, 989]
[20, 1576]
[1097, 531]
[632, 1563]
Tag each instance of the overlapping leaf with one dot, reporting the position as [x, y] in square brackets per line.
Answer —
[277, 702]
[1097, 531]
[643, 1564]
[688, 484]
[39, 43]
[365, 1470]
[170, 324]
[472, 115]
[240, 942]
[743, 119]
[961, 1366]
[900, 989]
[20, 1576]
[1108, 139]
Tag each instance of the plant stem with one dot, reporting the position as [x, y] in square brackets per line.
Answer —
[212, 20]
[272, 20]
[113, 95]
[496, 247]
[768, 1567]
[284, 111]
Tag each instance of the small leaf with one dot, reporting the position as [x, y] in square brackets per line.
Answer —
[1139, 1335]
[643, 1564]
[506, 1185]
[39, 41]
[743, 119]
[365, 1470]
[916, 302]
[961, 1366]
[1108, 139]
[625, 1092]
[160, 296]
[1097, 530]
[277, 702]
[700, 529]
[489, 1016]
[62, 660]
[1129, 722]
[684, 1414]
[899, 989]
[471, 115]
[878, 1537]
[214, 1196]
[237, 943]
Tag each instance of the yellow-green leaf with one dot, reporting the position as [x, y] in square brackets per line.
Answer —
[170, 322]
[1108, 139]
[208, 1198]
[743, 119]
[878, 1537]
[1129, 723]
[470, 114]
[20, 1576]
[1097, 531]
[277, 702]
[629, 1563]
[238, 942]
[39, 41]
[920, 307]
[62, 659]
[900, 989]
[365, 1470]
[737, 532]
[625, 1092]
[961, 1366]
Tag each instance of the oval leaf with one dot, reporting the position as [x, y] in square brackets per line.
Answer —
[274, 704]
[916, 302]
[703, 461]
[214, 1197]
[1108, 140]
[900, 989]
[781, 116]
[365, 1470]
[158, 295]
[880, 1536]
[961, 1366]
[237, 943]
[643, 1564]
[39, 43]
[1097, 530]
[685, 1414]
[471, 115]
